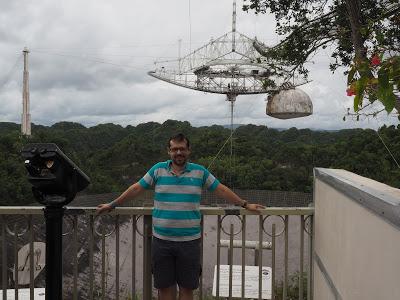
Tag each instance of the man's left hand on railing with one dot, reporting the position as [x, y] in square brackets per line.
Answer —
[104, 208]
[254, 206]
[226, 193]
[130, 193]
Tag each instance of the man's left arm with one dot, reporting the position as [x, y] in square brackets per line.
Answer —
[226, 193]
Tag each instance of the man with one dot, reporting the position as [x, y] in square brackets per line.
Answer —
[176, 217]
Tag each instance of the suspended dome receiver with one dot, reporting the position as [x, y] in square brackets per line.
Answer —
[289, 104]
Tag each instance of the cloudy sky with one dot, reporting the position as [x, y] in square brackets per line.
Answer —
[88, 63]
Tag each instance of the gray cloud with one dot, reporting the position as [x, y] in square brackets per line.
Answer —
[88, 64]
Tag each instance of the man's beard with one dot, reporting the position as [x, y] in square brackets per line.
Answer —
[180, 161]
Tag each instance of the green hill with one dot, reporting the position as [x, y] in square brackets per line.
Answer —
[264, 158]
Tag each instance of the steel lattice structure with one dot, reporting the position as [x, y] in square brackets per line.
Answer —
[228, 65]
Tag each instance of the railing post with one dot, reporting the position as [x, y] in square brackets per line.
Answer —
[91, 251]
[117, 257]
[256, 255]
[243, 256]
[218, 255]
[273, 262]
[230, 261]
[4, 274]
[103, 265]
[16, 276]
[286, 271]
[75, 246]
[147, 280]
[260, 261]
[201, 257]
[301, 268]
[133, 256]
[31, 263]
[310, 260]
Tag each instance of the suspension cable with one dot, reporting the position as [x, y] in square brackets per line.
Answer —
[91, 59]
[383, 142]
[222, 147]
[10, 73]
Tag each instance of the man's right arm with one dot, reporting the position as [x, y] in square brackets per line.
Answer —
[129, 194]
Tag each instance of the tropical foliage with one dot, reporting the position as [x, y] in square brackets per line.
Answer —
[363, 36]
[264, 158]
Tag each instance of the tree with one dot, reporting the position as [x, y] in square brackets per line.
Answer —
[264, 158]
[364, 36]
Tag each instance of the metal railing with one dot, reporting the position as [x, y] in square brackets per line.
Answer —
[91, 242]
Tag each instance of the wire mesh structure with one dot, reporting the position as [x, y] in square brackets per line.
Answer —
[229, 65]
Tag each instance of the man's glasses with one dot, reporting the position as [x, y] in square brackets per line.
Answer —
[176, 150]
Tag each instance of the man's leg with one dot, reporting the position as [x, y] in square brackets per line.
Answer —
[168, 293]
[185, 294]
[188, 268]
[163, 267]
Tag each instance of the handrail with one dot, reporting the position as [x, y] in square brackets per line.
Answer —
[205, 210]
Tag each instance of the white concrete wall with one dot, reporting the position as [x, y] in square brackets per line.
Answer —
[356, 247]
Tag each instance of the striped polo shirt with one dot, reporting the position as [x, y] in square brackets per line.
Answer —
[176, 214]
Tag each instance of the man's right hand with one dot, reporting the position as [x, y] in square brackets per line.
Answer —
[103, 208]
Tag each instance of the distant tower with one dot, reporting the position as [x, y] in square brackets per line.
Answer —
[26, 116]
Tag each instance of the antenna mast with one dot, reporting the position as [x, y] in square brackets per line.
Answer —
[234, 27]
[179, 55]
[26, 116]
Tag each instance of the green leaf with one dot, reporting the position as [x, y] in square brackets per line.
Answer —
[389, 101]
[360, 89]
[363, 30]
[363, 81]
[351, 75]
[385, 90]
[364, 69]
[383, 78]
[380, 36]
[372, 97]
[356, 102]
[396, 64]
[395, 74]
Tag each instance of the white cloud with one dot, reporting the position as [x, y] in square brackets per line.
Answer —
[89, 59]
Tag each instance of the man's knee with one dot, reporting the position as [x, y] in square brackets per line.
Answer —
[185, 294]
[168, 293]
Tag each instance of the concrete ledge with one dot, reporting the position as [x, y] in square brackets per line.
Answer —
[379, 198]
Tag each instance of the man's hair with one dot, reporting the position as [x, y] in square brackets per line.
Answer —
[180, 137]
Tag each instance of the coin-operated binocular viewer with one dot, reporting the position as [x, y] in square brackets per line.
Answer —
[55, 181]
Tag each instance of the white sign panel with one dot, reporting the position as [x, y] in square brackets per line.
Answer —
[250, 282]
[24, 294]
[39, 261]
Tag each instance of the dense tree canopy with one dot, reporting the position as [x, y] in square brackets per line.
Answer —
[264, 158]
[364, 36]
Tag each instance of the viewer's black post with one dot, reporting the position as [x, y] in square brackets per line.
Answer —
[55, 181]
[54, 217]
